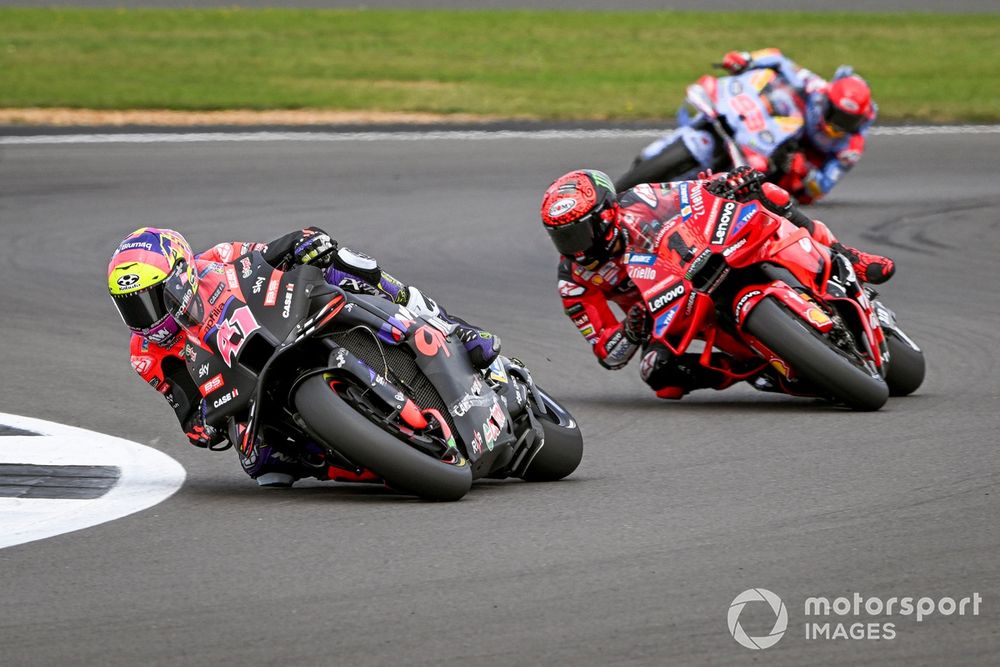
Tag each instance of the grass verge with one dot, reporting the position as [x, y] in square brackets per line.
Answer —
[529, 64]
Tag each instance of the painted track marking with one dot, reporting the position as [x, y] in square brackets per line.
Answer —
[145, 477]
[435, 135]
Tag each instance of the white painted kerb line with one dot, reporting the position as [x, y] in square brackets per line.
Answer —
[436, 135]
[147, 477]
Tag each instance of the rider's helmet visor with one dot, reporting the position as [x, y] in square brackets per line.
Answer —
[574, 237]
[841, 120]
[143, 309]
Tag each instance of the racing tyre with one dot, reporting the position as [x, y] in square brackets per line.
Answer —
[562, 451]
[350, 433]
[670, 163]
[814, 358]
[906, 365]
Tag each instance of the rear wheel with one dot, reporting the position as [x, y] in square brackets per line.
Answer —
[670, 163]
[563, 448]
[816, 359]
[906, 365]
[349, 432]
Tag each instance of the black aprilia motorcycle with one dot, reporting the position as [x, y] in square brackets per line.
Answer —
[383, 392]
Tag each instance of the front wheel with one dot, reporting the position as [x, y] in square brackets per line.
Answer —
[906, 365]
[814, 358]
[342, 428]
[562, 450]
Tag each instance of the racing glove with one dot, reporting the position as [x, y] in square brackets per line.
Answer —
[315, 249]
[741, 184]
[745, 183]
[638, 324]
[735, 62]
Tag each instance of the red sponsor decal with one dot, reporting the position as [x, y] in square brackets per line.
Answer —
[212, 385]
[429, 340]
[271, 296]
[744, 105]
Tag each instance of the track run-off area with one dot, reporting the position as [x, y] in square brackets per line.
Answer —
[677, 508]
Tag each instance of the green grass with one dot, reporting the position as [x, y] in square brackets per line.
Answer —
[554, 65]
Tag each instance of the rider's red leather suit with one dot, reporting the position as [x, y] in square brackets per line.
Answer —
[164, 367]
[646, 212]
[587, 292]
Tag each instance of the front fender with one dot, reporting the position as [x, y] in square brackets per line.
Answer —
[748, 298]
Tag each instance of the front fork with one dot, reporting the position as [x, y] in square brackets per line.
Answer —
[514, 385]
[860, 309]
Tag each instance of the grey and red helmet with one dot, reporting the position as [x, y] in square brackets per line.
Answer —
[579, 211]
[848, 105]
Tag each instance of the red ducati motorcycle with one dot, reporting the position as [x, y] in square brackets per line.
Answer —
[788, 313]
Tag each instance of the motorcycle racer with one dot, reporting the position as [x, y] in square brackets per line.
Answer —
[591, 225]
[153, 280]
[837, 116]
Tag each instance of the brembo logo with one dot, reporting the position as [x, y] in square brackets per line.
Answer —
[666, 297]
[725, 219]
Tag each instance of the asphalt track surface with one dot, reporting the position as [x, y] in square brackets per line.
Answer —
[676, 508]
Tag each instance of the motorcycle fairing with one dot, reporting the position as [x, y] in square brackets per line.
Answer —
[743, 101]
[697, 250]
[482, 421]
[247, 316]
[758, 110]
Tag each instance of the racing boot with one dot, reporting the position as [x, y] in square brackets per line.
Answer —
[481, 346]
[674, 376]
[281, 472]
[874, 269]
[870, 268]
[271, 468]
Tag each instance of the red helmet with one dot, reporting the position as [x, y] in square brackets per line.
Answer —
[848, 105]
[579, 211]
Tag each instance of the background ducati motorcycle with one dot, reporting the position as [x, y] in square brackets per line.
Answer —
[788, 313]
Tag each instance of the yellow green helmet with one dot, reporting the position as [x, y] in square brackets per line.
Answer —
[137, 280]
